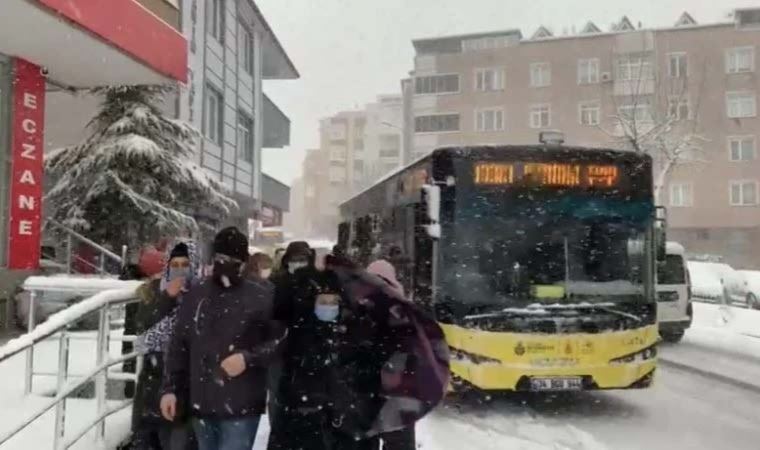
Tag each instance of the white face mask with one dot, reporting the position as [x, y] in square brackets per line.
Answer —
[293, 266]
[265, 273]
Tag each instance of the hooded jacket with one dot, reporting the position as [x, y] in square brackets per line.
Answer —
[388, 360]
[213, 323]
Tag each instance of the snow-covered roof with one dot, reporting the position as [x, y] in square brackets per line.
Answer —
[685, 20]
[590, 28]
[542, 33]
[624, 25]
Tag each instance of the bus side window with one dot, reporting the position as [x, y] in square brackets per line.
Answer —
[344, 233]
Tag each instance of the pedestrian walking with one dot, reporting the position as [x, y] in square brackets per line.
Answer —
[359, 362]
[224, 338]
[154, 323]
[405, 438]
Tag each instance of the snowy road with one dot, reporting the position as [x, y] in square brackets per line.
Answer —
[682, 411]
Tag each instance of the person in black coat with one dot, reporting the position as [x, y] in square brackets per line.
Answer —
[223, 340]
[153, 323]
[330, 370]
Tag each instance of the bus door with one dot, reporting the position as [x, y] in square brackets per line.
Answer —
[423, 258]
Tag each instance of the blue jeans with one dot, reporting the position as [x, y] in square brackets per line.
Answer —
[226, 434]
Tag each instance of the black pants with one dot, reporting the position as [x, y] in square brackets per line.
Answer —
[164, 437]
[295, 431]
[399, 440]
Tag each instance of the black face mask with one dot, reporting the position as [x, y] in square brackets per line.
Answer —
[228, 273]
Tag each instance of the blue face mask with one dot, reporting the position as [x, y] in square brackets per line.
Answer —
[327, 313]
[179, 272]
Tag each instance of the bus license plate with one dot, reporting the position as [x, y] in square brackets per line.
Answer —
[556, 384]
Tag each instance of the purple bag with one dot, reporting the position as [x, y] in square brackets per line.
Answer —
[415, 375]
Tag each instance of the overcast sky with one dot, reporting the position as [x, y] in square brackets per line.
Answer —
[349, 51]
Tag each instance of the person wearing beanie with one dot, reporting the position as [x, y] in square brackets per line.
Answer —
[155, 318]
[224, 339]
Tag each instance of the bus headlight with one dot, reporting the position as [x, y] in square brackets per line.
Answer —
[638, 357]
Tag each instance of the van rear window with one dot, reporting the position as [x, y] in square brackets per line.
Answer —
[671, 271]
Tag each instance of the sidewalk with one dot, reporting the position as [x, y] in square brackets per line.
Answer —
[723, 344]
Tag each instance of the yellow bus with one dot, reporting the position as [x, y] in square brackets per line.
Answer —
[538, 261]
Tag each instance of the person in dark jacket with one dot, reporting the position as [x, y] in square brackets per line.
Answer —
[360, 363]
[223, 339]
[154, 322]
[292, 276]
[331, 356]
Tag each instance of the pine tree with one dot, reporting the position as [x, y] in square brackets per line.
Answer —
[134, 178]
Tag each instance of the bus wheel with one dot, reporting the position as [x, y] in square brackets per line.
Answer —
[673, 337]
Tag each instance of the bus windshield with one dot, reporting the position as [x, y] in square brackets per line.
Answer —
[522, 247]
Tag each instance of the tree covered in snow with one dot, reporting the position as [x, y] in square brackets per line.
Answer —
[658, 115]
[133, 179]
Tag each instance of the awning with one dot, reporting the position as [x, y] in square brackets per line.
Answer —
[87, 43]
[274, 193]
[276, 126]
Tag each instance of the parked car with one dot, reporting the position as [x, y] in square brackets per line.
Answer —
[717, 282]
[752, 280]
[674, 310]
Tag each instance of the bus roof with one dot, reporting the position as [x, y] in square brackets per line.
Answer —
[507, 149]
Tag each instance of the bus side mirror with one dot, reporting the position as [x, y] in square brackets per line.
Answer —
[431, 198]
[660, 234]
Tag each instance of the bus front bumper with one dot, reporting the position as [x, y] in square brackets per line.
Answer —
[504, 377]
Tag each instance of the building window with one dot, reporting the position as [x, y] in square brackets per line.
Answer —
[358, 144]
[741, 148]
[358, 166]
[678, 66]
[588, 71]
[634, 68]
[749, 18]
[245, 137]
[436, 123]
[588, 113]
[489, 119]
[389, 153]
[337, 131]
[678, 108]
[487, 43]
[741, 104]
[213, 126]
[437, 84]
[487, 80]
[681, 195]
[246, 49]
[215, 19]
[337, 175]
[743, 193]
[740, 59]
[337, 153]
[637, 113]
[540, 74]
[540, 116]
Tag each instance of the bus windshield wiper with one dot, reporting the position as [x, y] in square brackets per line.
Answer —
[619, 313]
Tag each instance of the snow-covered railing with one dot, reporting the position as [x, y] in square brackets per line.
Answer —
[103, 303]
[103, 253]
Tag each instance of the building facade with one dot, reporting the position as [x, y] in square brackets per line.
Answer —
[232, 51]
[697, 81]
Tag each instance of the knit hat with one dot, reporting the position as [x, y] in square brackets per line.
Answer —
[180, 251]
[231, 242]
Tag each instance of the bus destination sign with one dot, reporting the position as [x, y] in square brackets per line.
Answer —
[546, 174]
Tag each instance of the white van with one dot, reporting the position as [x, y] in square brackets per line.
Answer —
[674, 311]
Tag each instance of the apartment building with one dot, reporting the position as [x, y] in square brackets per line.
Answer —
[503, 87]
[318, 217]
[232, 51]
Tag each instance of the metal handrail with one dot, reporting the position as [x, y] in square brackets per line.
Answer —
[103, 252]
[103, 303]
